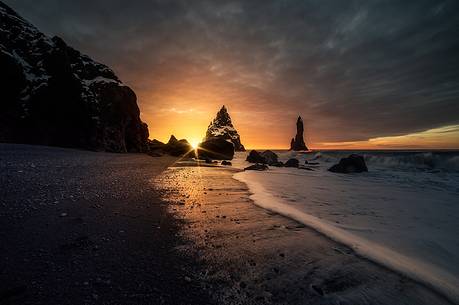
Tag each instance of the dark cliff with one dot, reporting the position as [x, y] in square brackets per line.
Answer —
[53, 95]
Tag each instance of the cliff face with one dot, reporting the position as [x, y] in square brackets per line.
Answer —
[53, 95]
[222, 127]
[297, 143]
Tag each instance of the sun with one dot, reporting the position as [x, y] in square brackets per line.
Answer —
[194, 143]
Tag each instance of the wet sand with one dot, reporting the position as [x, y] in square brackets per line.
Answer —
[252, 256]
[79, 227]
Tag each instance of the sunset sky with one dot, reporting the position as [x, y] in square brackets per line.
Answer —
[362, 74]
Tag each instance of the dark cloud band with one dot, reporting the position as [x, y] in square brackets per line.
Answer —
[355, 69]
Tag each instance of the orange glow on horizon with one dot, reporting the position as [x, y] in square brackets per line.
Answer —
[192, 125]
[446, 137]
[183, 102]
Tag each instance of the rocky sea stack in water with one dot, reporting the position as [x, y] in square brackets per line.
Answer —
[54, 95]
[222, 127]
[297, 142]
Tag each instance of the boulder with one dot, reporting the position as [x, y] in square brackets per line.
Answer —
[277, 164]
[224, 162]
[255, 157]
[270, 157]
[292, 163]
[215, 148]
[352, 164]
[257, 167]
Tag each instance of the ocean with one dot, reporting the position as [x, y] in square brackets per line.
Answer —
[403, 213]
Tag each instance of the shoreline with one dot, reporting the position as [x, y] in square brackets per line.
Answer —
[229, 232]
[396, 262]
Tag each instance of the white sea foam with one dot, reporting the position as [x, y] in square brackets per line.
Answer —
[403, 217]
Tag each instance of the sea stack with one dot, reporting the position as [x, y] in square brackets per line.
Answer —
[297, 143]
[222, 127]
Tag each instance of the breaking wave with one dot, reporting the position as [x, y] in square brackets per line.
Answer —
[443, 161]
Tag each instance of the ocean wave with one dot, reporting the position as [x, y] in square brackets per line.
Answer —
[415, 161]
[419, 270]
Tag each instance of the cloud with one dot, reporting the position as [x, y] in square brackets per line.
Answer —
[355, 70]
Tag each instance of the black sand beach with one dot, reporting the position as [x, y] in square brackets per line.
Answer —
[80, 227]
[352, 106]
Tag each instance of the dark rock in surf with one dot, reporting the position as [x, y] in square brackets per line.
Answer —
[277, 164]
[257, 167]
[224, 162]
[292, 163]
[255, 157]
[216, 148]
[270, 157]
[352, 164]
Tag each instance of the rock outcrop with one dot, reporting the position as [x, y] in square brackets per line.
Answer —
[266, 157]
[222, 127]
[215, 148]
[176, 147]
[270, 157]
[352, 164]
[54, 95]
[255, 157]
[155, 145]
[297, 143]
[173, 147]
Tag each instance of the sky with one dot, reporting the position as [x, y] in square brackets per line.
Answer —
[362, 74]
